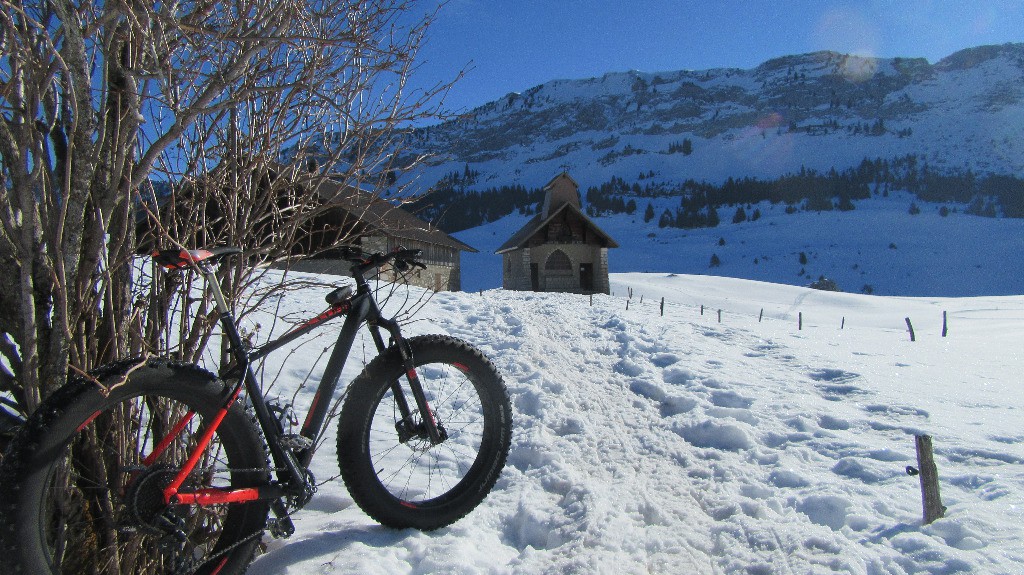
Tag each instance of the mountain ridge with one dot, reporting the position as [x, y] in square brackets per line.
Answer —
[818, 110]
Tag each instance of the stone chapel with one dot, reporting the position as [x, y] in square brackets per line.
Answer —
[560, 249]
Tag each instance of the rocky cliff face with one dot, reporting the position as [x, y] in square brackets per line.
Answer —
[818, 110]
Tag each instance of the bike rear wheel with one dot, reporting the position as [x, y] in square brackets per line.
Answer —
[405, 481]
[79, 495]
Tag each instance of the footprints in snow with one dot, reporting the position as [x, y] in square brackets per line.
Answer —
[712, 415]
[834, 384]
[729, 417]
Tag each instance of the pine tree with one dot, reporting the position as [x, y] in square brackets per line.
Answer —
[740, 216]
[649, 213]
[713, 219]
[666, 219]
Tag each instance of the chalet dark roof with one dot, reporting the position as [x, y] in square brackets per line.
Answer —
[519, 239]
[384, 216]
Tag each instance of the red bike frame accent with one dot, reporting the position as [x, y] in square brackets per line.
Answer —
[166, 441]
[171, 491]
[220, 566]
[218, 496]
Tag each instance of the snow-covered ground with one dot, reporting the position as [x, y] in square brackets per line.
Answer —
[680, 444]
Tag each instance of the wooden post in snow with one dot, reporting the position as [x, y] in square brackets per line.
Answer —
[932, 501]
[945, 326]
[719, 316]
[910, 327]
[760, 315]
[663, 307]
[800, 322]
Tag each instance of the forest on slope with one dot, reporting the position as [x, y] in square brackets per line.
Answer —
[454, 205]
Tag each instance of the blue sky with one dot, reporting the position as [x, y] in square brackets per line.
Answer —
[510, 46]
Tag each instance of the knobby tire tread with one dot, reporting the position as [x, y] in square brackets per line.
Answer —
[21, 467]
[357, 469]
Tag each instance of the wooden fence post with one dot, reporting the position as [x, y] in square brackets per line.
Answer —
[945, 326]
[800, 321]
[760, 315]
[627, 305]
[910, 327]
[719, 316]
[701, 309]
[842, 324]
[663, 307]
[931, 500]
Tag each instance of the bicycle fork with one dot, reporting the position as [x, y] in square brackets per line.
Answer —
[407, 427]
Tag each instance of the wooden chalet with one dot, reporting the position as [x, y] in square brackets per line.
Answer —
[343, 217]
[376, 225]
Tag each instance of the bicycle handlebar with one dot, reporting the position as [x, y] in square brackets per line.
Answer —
[403, 258]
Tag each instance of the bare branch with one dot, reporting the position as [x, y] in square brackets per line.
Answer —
[228, 115]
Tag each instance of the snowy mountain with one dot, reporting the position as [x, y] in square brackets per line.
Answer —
[961, 119]
[681, 444]
[819, 111]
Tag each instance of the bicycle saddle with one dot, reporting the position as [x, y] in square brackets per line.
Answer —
[179, 259]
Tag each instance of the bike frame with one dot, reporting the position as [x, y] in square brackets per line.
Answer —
[292, 478]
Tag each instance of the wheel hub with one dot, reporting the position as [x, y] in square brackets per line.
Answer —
[408, 431]
[145, 500]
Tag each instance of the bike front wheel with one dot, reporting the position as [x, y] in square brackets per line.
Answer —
[81, 490]
[399, 477]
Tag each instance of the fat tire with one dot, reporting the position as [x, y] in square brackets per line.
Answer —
[41, 443]
[462, 361]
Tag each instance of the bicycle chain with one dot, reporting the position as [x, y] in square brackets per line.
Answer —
[192, 566]
[200, 472]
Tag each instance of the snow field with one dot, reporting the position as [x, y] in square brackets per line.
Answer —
[675, 444]
[878, 244]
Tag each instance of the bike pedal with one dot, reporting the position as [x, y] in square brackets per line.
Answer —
[281, 528]
[295, 442]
